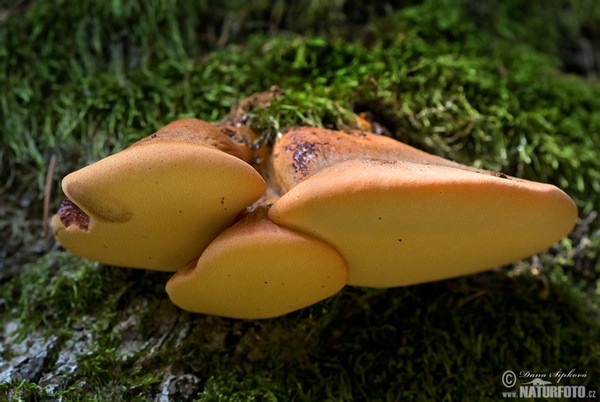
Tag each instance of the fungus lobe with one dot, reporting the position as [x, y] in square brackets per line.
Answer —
[364, 193]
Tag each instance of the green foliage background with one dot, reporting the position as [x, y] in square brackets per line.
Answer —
[477, 82]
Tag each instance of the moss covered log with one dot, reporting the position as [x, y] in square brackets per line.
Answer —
[505, 85]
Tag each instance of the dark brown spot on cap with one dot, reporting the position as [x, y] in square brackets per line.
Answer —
[70, 215]
[302, 153]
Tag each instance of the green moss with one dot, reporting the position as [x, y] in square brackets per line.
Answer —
[449, 340]
[59, 289]
[242, 386]
[22, 391]
[510, 111]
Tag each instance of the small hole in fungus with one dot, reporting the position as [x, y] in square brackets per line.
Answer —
[70, 214]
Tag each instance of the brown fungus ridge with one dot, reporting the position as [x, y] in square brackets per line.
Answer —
[257, 153]
[302, 151]
[199, 132]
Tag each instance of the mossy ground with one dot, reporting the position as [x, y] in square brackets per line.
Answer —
[482, 85]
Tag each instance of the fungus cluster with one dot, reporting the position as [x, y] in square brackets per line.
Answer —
[252, 235]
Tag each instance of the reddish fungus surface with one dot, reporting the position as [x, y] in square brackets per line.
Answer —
[70, 214]
[303, 153]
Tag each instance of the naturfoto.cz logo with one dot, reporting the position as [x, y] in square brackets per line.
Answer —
[527, 384]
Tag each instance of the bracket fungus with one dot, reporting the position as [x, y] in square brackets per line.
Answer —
[351, 208]
[160, 202]
[400, 216]
[256, 269]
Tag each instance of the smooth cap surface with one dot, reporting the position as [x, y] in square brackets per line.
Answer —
[256, 269]
[399, 223]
